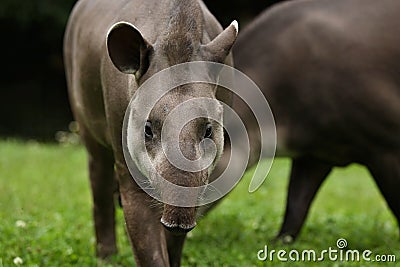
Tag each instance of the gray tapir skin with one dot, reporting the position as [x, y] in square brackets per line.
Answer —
[331, 73]
[110, 49]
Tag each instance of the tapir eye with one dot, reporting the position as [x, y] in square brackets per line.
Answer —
[209, 131]
[148, 132]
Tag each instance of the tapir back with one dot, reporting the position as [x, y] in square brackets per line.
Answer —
[329, 70]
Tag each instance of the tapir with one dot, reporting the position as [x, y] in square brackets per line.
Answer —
[330, 71]
[110, 49]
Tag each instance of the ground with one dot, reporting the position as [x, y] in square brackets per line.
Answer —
[45, 215]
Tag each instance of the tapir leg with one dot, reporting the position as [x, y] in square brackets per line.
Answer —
[175, 246]
[306, 177]
[386, 171]
[142, 218]
[101, 169]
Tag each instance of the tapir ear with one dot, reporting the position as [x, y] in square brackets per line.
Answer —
[218, 49]
[127, 48]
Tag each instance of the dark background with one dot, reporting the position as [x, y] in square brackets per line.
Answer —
[33, 95]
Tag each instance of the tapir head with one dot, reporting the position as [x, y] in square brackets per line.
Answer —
[169, 140]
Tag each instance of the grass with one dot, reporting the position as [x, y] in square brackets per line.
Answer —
[45, 215]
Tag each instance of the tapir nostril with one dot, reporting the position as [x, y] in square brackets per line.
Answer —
[177, 228]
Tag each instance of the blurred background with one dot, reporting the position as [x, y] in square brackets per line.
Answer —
[33, 94]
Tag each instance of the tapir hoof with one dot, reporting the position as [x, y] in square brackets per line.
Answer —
[284, 239]
[106, 252]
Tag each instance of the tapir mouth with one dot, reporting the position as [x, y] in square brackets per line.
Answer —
[178, 220]
[178, 229]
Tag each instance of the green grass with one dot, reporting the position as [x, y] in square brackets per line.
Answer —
[46, 187]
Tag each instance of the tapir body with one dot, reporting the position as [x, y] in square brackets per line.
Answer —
[330, 71]
[110, 49]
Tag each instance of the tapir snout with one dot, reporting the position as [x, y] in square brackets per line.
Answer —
[178, 220]
[181, 167]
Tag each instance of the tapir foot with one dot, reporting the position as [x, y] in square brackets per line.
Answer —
[106, 252]
[284, 239]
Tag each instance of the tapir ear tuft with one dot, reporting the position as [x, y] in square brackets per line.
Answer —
[219, 48]
[127, 49]
[236, 25]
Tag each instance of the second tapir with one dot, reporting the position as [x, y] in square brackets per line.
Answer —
[110, 49]
[330, 71]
